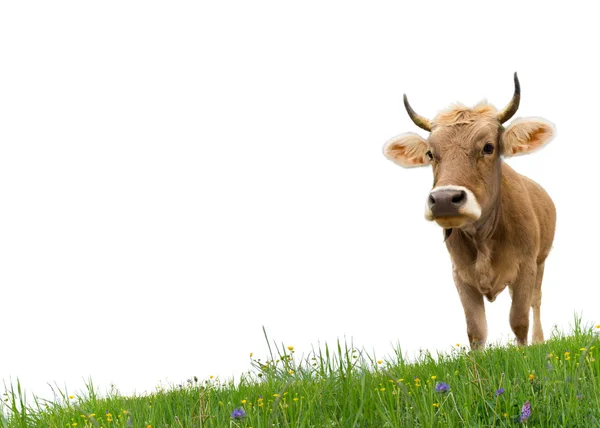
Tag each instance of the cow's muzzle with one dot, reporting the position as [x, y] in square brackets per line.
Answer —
[452, 206]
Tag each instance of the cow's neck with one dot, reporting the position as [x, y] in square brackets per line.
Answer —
[481, 233]
[482, 237]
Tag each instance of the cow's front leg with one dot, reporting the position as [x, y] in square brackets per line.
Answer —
[522, 294]
[474, 307]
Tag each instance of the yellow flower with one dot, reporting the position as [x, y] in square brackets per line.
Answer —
[505, 415]
[211, 376]
[382, 389]
[243, 401]
[149, 426]
[92, 415]
[296, 398]
[71, 396]
[531, 377]
[436, 404]
[597, 325]
[74, 424]
[251, 353]
[379, 362]
[276, 395]
[433, 377]
[583, 349]
[291, 372]
[291, 348]
[401, 380]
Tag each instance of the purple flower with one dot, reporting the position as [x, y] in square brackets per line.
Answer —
[499, 391]
[525, 411]
[442, 387]
[238, 413]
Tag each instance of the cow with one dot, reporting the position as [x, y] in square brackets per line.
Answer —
[498, 225]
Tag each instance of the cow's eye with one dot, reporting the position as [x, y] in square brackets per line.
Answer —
[488, 149]
[429, 154]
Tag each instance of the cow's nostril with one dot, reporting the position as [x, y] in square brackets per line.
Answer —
[431, 200]
[459, 197]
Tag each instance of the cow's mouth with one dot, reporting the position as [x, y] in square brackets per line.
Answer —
[452, 207]
[452, 222]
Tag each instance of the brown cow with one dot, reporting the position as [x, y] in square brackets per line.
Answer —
[498, 224]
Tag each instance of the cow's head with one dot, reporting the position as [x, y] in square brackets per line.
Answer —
[464, 148]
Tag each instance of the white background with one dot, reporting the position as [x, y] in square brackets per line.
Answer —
[173, 176]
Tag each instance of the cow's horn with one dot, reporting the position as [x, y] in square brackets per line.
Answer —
[513, 105]
[420, 121]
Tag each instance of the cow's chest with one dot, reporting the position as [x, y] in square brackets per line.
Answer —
[486, 270]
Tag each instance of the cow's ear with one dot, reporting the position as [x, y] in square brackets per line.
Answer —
[407, 150]
[526, 135]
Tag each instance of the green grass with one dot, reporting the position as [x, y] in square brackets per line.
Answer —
[343, 387]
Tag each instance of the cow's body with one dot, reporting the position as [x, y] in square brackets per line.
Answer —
[509, 253]
[499, 225]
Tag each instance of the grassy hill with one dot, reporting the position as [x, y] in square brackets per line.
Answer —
[553, 384]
